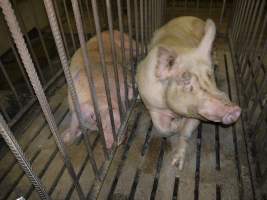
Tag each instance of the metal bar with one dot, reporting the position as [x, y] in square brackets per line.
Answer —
[222, 11]
[19, 63]
[103, 65]
[64, 61]
[24, 30]
[28, 64]
[241, 23]
[61, 28]
[129, 18]
[20, 156]
[3, 111]
[82, 16]
[136, 30]
[142, 26]
[69, 25]
[10, 84]
[123, 54]
[79, 25]
[32, 101]
[41, 37]
[250, 40]
[247, 18]
[239, 19]
[114, 57]
[146, 25]
[89, 17]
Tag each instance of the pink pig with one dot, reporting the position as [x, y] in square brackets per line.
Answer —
[78, 73]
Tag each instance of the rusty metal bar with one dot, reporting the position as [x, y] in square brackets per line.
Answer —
[123, 54]
[20, 156]
[28, 64]
[114, 57]
[103, 65]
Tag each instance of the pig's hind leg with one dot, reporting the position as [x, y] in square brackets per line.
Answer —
[74, 132]
[189, 126]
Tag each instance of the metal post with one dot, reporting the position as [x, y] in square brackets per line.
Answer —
[123, 54]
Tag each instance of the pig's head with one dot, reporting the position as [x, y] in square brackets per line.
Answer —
[188, 79]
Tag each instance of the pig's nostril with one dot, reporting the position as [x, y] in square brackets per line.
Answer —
[232, 116]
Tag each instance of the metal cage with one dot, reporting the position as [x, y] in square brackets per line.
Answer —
[39, 39]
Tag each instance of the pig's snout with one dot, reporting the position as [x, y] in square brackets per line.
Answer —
[232, 115]
[219, 111]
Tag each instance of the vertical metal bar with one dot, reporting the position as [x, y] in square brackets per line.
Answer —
[24, 30]
[62, 55]
[5, 114]
[61, 28]
[103, 64]
[91, 25]
[78, 20]
[129, 16]
[114, 57]
[19, 63]
[123, 53]
[136, 30]
[28, 64]
[82, 17]
[142, 26]
[241, 21]
[247, 18]
[20, 156]
[235, 11]
[10, 84]
[210, 7]
[222, 11]
[41, 37]
[146, 26]
[69, 25]
[252, 30]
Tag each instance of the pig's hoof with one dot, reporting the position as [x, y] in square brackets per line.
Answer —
[178, 159]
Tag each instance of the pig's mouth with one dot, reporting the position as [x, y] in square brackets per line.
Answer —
[228, 116]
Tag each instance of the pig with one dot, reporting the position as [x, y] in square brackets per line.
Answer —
[176, 81]
[78, 73]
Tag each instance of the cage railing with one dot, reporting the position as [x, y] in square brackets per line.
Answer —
[247, 36]
[138, 14]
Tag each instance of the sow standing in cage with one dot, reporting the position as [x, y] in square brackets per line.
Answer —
[176, 81]
[78, 73]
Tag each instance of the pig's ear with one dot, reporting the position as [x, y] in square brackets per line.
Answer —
[205, 45]
[117, 40]
[165, 62]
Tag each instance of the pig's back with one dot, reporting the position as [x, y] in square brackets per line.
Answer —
[183, 32]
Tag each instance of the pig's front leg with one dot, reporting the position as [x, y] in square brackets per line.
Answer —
[165, 123]
[185, 133]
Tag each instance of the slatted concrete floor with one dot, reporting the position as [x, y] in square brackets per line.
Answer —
[215, 168]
